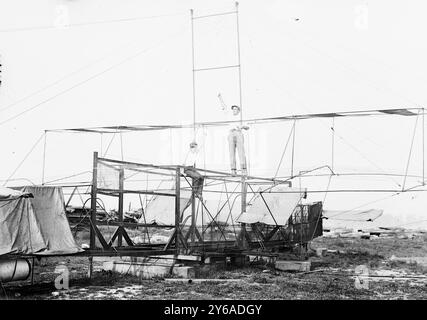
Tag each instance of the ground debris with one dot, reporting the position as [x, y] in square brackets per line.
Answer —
[332, 276]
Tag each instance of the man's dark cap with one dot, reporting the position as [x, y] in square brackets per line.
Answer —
[235, 107]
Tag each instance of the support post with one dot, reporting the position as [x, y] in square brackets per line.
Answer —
[193, 211]
[244, 193]
[90, 270]
[120, 211]
[243, 235]
[93, 200]
[177, 208]
[32, 271]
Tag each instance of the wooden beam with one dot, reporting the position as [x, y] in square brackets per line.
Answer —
[177, 208]
[133, 225]
[93, 200]
[193, 209]
[120, 211]
[115, 192]
[127, 163]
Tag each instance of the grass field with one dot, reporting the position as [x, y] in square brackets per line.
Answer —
[331, 277]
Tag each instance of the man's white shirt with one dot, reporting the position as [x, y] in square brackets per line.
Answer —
[229, 116]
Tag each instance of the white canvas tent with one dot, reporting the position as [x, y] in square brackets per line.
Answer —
[36, 225]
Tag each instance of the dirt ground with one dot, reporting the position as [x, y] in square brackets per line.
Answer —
[333, 276]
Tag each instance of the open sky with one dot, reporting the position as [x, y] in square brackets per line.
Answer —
[78, 63]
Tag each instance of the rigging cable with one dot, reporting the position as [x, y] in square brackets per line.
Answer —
[305, 107]
[293, 149]
[284, 150]
[78, 84]
[410, 151]
[25, 158]
[230, 207]
[89, 23]
[61, 79]
[345, 66]
[121, 146]
[333, 144]
[109, 144]
[302, 105]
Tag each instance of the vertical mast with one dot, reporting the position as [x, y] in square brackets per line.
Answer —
[194, 75]
[238, 63]
[244, 186]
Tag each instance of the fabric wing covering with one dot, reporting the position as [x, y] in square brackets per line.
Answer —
[161, 209]
[281, 202]
[36, 225]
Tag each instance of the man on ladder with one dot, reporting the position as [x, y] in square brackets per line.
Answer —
[235, 137]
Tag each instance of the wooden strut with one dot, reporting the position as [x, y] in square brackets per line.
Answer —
[120, 211]
[177, 236]
[193, 228]
[243, 238]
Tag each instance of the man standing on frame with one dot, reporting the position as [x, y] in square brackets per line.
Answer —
[235, 137]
